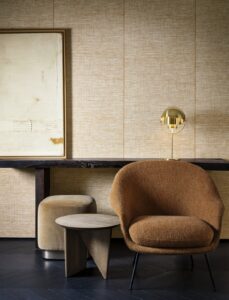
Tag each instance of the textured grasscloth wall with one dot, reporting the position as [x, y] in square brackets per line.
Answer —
[212, 73]
[159, 72]
[212, 89]
[97, 74]
[127, 61]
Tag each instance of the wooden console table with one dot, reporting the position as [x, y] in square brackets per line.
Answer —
[42, 169]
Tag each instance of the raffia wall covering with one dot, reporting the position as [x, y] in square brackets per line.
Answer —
[127, 61]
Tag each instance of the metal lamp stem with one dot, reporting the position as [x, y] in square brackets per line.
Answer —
[172, 148]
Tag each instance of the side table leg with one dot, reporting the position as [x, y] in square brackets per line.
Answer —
[98, 245]
[75, 252]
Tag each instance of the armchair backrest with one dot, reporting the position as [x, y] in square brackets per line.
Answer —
[165, 188]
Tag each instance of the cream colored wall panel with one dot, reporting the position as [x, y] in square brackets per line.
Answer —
[17, 203]
[159, 68]
[97, 75]
[212, 46]
[26, 13]
[94, 182]
[221, 180]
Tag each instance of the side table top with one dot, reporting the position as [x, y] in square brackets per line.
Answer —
[88, 221]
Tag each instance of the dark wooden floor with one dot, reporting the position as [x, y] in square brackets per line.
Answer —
[24, 276]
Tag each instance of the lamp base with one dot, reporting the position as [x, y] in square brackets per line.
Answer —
[172, 158]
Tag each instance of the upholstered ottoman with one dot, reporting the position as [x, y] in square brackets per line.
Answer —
[51, 236]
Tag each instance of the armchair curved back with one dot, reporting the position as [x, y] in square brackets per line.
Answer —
[165, 188]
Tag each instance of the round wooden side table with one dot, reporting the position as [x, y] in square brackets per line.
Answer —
[87, 232]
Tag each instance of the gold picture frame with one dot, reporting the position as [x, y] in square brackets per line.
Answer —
[33, 93]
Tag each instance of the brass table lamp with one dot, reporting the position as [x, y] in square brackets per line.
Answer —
[174, 119]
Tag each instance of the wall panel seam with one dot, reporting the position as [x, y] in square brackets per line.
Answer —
[53, 14]
[124, 76]
[194, 142]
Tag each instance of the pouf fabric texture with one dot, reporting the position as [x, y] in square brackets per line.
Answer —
[50, 235]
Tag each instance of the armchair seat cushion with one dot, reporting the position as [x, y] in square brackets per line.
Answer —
[171, 232]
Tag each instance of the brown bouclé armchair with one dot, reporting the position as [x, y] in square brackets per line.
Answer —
[167, 207]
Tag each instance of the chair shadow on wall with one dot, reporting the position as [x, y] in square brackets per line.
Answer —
[212, 122]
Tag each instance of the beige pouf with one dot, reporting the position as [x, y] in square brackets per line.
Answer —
[51, 236]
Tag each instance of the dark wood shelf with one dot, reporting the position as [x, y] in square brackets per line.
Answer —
[207, 164]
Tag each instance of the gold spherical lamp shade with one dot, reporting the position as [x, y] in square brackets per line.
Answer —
[174, 119]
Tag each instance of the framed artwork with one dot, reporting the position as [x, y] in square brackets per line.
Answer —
[32, 93]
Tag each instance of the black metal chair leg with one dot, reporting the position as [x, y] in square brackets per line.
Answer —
[133, 262]
[192, 262]
[136, 257]
[210, 272]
